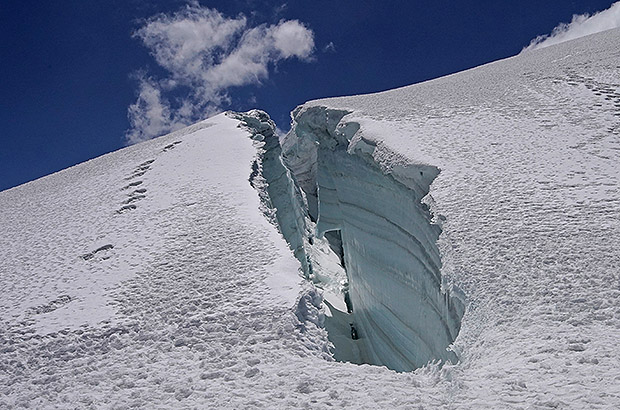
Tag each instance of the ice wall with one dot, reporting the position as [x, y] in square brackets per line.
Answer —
[402, 316]
[283, 203]
[357, 229]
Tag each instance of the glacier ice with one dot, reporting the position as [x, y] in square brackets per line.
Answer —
[281, 199]
[362, 236]
[402, 314]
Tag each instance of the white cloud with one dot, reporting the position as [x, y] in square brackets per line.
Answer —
[148, 115]
[292, 39]
[206, 53]
[581, 25]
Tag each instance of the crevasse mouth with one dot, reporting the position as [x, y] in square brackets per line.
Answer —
[365, 238]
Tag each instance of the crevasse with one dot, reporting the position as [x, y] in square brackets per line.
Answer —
[282, 200]
[331, 197]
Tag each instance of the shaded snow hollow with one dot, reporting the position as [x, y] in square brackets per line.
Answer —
[157, 276]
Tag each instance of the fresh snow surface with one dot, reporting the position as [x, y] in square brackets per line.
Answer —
[193, 299]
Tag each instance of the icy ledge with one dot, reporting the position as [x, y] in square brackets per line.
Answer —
[362, 231]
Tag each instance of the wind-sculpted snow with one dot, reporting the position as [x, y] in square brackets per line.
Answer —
[403, 317]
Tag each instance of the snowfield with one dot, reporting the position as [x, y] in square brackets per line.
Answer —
[158, 276]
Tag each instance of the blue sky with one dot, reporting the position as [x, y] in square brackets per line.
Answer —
[70, 70]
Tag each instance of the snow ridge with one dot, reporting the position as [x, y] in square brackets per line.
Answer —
[283, 205]
[281, 200]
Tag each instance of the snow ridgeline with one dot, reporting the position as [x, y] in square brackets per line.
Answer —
[361, 232]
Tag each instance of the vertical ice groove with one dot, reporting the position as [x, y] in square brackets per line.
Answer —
[403, 317]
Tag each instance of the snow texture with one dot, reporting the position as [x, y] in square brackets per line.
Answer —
[150, 277]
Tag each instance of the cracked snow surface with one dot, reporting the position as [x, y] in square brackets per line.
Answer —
[150, 278]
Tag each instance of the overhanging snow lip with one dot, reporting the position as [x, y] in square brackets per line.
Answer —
[359, 132]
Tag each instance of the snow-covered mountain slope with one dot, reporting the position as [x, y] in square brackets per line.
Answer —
[528, 198]
[147, 277]
[159, 276]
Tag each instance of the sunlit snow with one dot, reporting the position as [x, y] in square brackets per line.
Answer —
[192, 270]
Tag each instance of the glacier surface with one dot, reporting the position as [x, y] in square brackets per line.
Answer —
[196, 270]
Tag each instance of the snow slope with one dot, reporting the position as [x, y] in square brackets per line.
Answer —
[106, 305]
[528, 150]
[155, 276]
